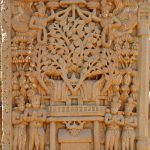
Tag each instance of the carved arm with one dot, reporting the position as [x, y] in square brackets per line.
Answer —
[95, 18]
[133, 124]
[26, 116]
[14, 120]
[43, 117]
[116, 23]
[108, 119]
[120, 121]
[32, 24]
[51, 17]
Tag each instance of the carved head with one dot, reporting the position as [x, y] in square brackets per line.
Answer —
[19, 100]
[105, 8]
[129, 106]
[127, 79]
[36, 101]
[40, 7]
[115, 105]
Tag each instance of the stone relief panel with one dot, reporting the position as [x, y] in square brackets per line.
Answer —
[74, 81]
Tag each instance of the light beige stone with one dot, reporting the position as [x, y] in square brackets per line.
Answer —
[75, 74]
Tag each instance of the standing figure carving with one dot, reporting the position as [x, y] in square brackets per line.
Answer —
[128, 134]
[39, 21]
[36, 116]
[125, 88]
[19, 124]
[108, 22]
[113, 120]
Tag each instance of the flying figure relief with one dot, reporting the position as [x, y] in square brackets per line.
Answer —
[39, 21]
[108, 23]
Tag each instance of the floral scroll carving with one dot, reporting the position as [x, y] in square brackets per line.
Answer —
[74, 67]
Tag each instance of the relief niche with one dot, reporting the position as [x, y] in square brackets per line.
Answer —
[75, 74]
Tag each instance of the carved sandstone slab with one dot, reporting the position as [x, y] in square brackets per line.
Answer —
[75, 74]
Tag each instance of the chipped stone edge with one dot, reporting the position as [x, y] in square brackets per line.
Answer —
[6, 74]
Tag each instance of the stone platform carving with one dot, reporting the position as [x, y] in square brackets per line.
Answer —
[75, 74]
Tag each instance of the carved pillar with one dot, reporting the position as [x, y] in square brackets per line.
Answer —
[6, 74]
[52, 136]
[143, 101]
[96, 136]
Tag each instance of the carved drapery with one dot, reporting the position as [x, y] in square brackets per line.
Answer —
[77, 73]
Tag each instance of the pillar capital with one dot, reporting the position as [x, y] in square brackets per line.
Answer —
[143, 21]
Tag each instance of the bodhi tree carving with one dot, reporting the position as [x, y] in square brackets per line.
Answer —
[72, 47]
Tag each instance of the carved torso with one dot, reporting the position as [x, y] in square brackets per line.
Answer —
[114, 119]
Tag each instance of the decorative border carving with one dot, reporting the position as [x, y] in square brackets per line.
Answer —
[76, 111]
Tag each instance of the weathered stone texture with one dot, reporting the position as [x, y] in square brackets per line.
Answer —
[75, 74]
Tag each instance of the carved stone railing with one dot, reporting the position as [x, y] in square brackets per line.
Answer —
[76, 111]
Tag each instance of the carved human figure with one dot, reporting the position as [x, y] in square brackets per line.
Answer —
[108, 22]
[128, 134]
[125, 88]
[39, 21]
[19, 125]
[134, 88]
[116, 85]
[113, 120]
[23, 83]
[36, 117]
[15, 85]
[97, 89]
[20, 17]
[21, 13]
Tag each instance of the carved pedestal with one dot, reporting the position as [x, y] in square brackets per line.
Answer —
[96, 135]
[73, 142]
[53, 133]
